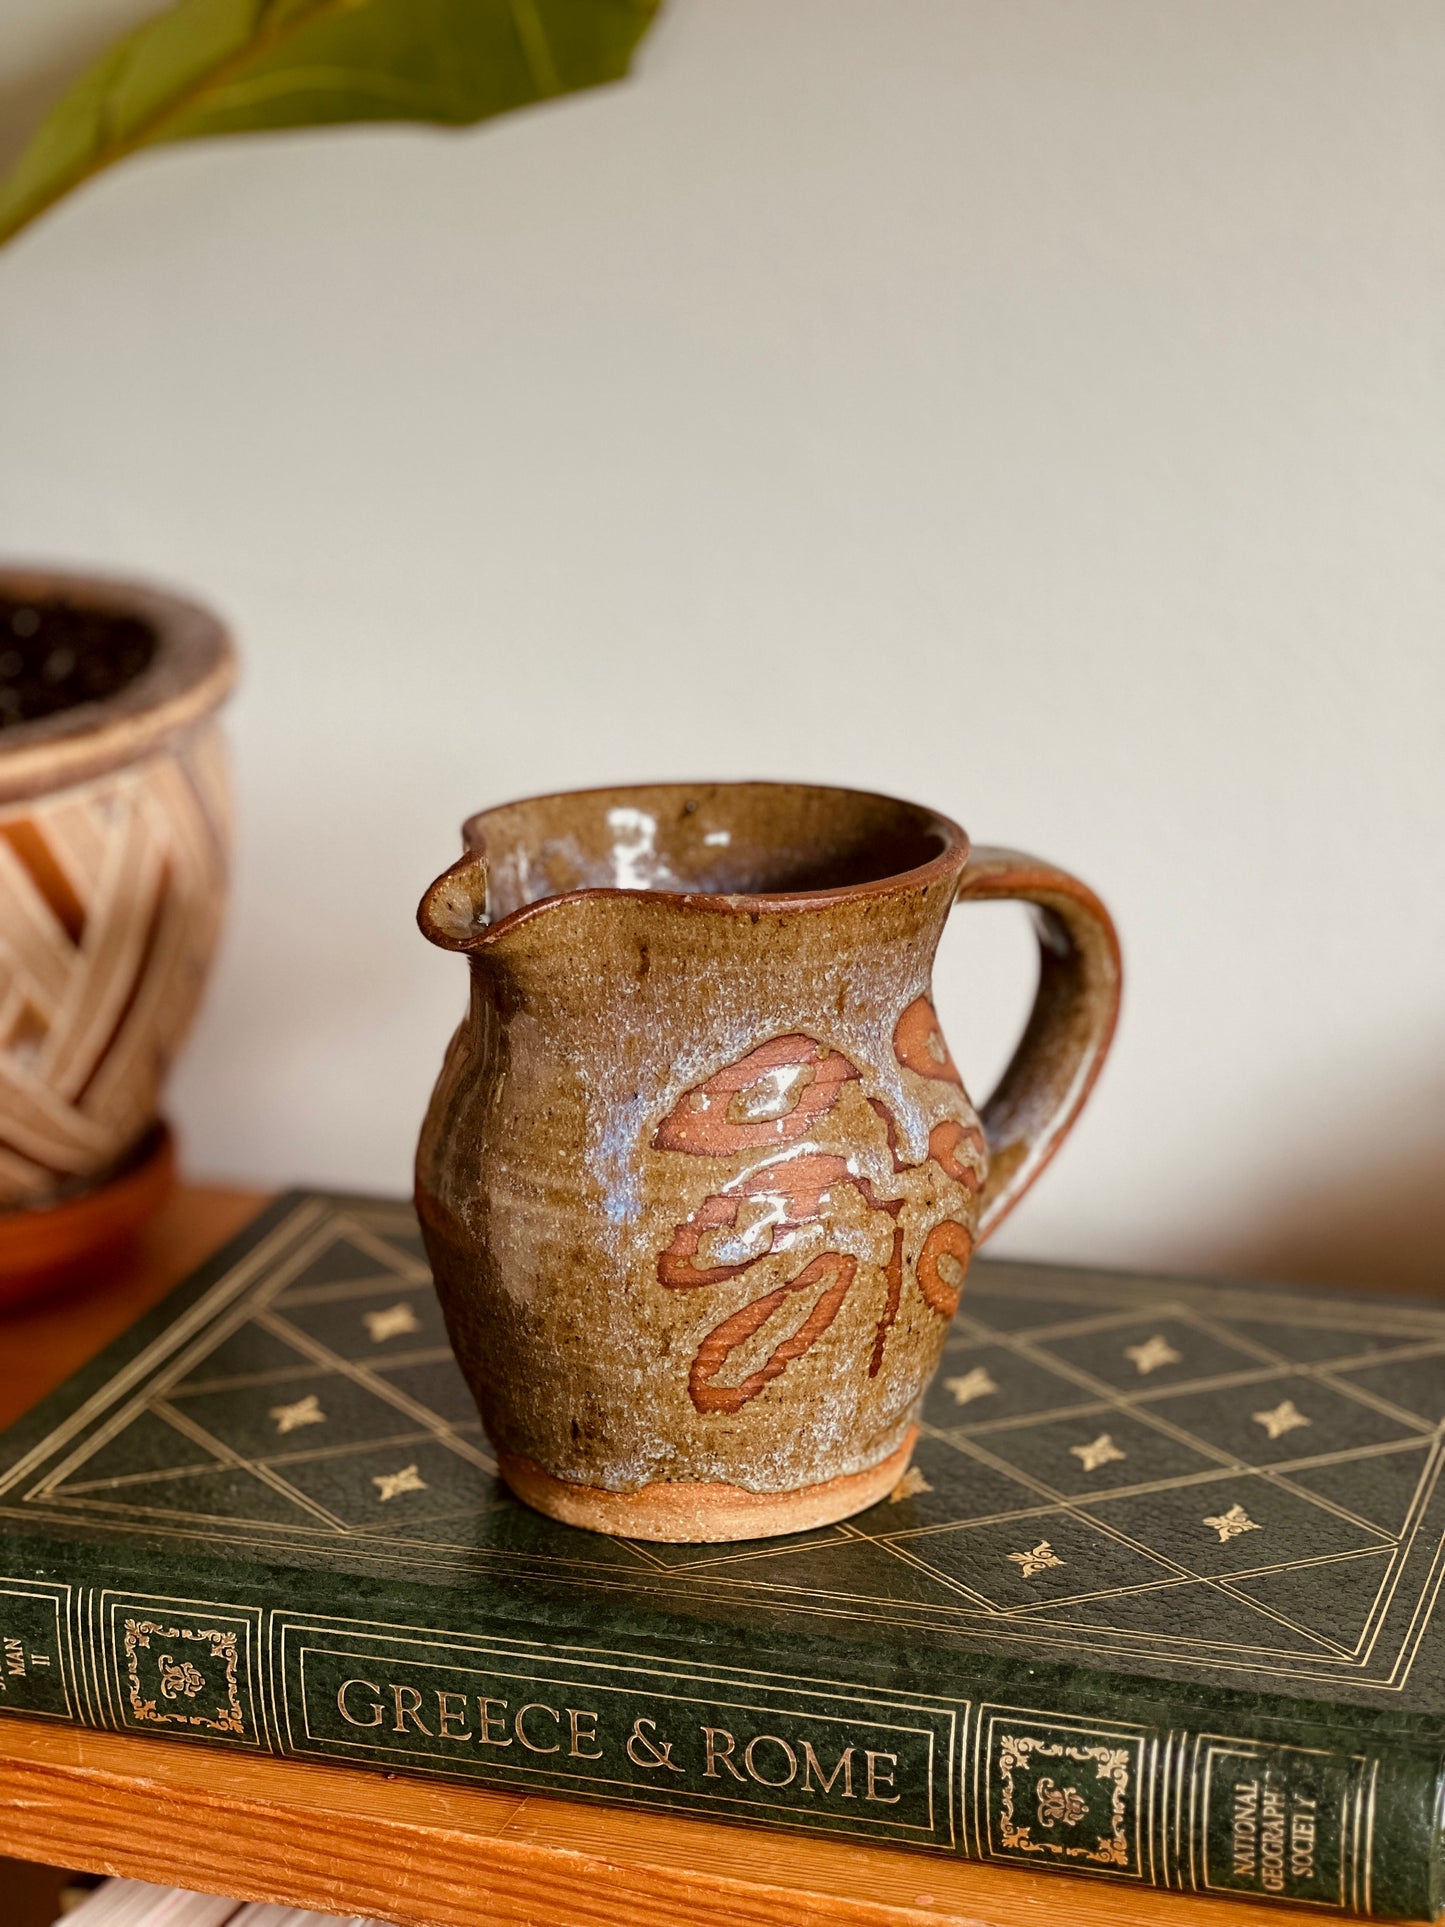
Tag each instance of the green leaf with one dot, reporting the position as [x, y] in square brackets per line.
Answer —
[207, 67]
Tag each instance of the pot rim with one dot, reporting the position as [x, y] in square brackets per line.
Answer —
[190, 675]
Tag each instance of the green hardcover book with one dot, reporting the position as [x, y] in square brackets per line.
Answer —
[1155, 1603]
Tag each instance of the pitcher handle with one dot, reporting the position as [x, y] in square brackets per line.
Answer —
[453, 913]
[1069, 1029]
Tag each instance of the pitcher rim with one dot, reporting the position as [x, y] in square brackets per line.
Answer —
[437, 912]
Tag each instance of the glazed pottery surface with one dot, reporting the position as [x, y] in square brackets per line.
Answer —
[700, 1179]
[114, 826]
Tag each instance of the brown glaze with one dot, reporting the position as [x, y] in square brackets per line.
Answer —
[700, 1179]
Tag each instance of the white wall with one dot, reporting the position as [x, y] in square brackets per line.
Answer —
[1037, 408]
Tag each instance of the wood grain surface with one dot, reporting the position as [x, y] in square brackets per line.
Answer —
[433, 1856]
[428, 1855]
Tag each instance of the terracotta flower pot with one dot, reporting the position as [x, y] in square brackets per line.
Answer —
[114, 830]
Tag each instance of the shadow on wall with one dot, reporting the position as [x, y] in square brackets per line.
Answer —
[1371, 1215]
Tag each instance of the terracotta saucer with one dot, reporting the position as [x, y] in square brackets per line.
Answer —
[54, 1247]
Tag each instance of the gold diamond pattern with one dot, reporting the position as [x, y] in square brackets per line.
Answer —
[1039, 1518]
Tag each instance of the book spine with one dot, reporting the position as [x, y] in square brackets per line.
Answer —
[1319, 1818]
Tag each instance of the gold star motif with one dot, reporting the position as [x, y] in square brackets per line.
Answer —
[972, 1385]
[909, 1486]
[1153, 1353]
[1102, 1451]
[306, 1411]
[389, 1484]
[1039, 1560]
[1230, 1524]
[1285, 1417]
[391, 1323]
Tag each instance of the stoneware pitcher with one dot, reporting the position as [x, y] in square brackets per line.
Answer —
[700, 1180]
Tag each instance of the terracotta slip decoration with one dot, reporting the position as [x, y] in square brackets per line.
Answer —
[114, 826]
[700, 1180]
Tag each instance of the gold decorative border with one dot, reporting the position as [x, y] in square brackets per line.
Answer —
[527, 1660]
[57, 1595]
[138, 1633]
[1110, 1763]
[1119, 1754]
[1357, 1818]
[225, 1631]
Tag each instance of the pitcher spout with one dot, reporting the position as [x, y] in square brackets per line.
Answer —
[453, 912]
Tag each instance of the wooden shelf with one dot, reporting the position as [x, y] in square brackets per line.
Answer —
[427, 1855]
[430, 1856]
